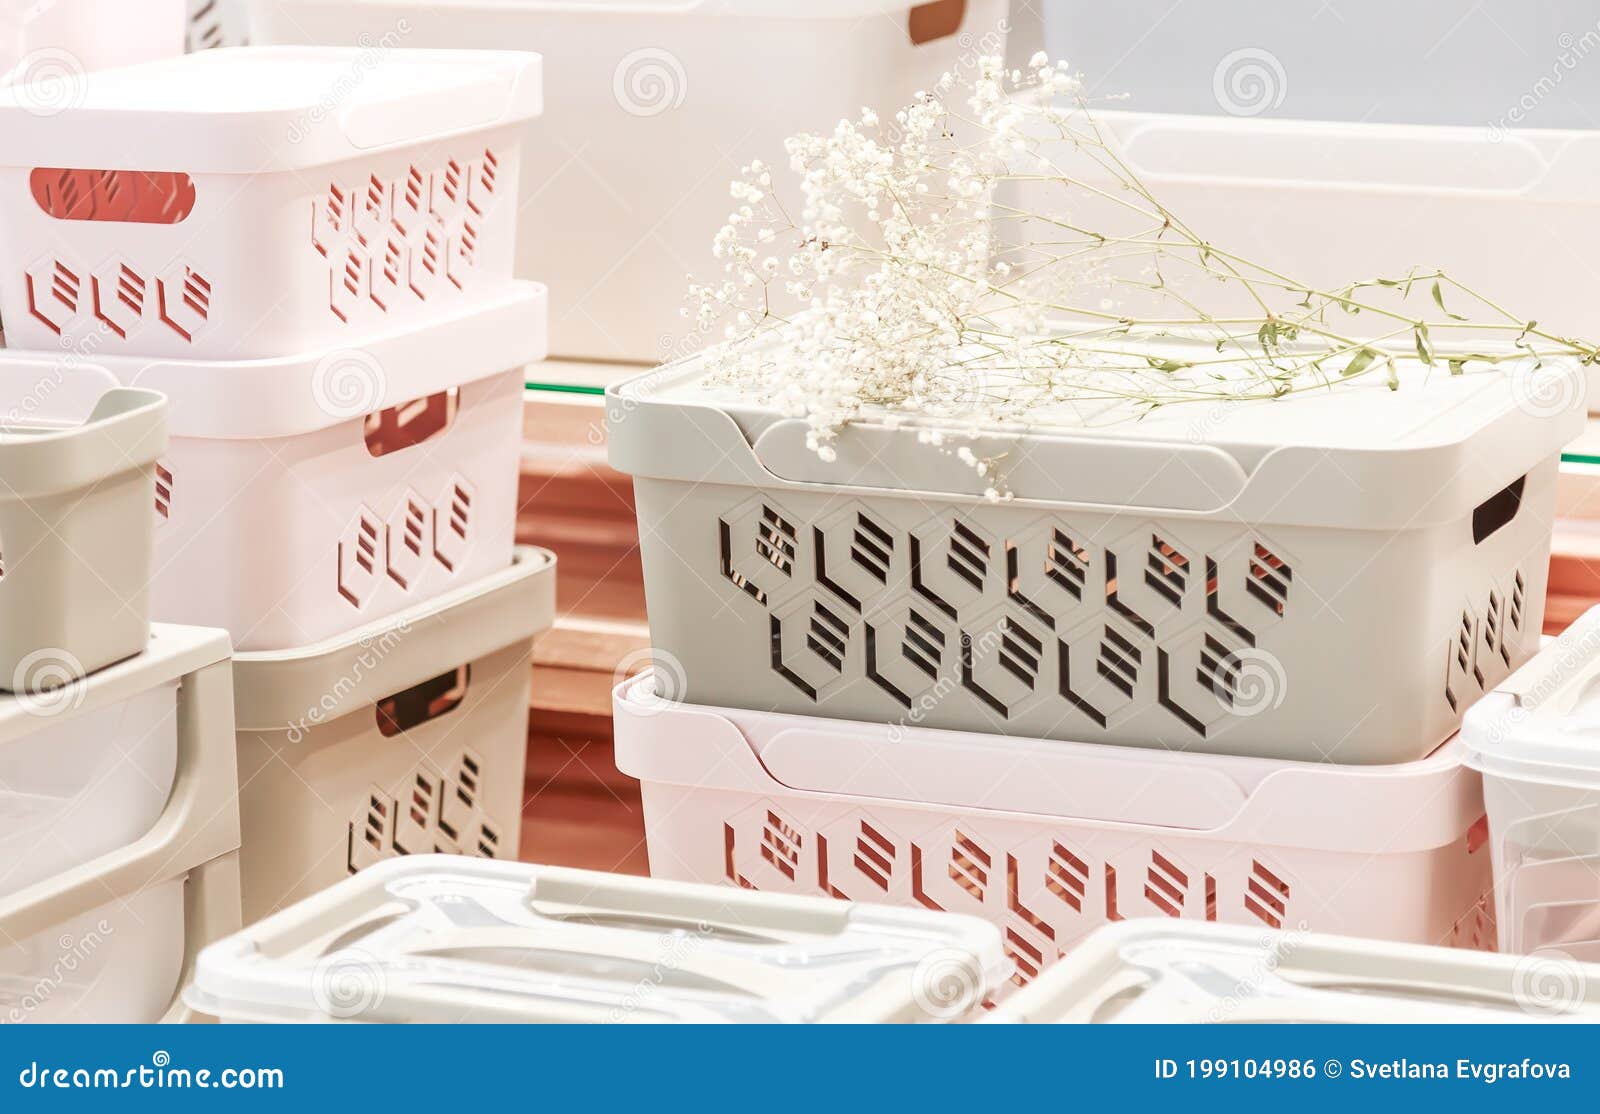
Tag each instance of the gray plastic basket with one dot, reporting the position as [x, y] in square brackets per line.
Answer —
[76, 537]
[406, 736]
[193, 846]
[1331, 576]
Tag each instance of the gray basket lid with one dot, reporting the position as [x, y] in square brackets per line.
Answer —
[1157, 971]
[449, 939]
[1543, 722]
[1357, 455]
[126, 430]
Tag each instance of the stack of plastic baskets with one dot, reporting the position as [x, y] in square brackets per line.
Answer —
[1168, 973]
[119, 828]
[324, 293]
[661, 101]
[1202, 671]
[447, 940]
[59, 42]
[1534, 740]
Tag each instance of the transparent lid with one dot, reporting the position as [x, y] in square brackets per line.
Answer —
[449, 939]
[1159, 972]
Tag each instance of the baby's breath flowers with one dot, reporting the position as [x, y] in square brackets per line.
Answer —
[910, 281]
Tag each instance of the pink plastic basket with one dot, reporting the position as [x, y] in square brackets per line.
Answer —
[1051, 840]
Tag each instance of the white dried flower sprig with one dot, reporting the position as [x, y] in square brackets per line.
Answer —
[912, 285]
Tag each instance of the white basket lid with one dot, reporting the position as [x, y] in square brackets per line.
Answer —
[1155, 971]
[253, 110]
[448, 939]
[1543, 722]
[1357, 456]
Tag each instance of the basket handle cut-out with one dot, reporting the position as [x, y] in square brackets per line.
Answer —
[936, 20]
[1498, 510]
[122, 196]
[423, 703]
[410, 423]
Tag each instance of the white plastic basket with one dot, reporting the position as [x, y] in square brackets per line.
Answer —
[323, 196]
[447, 940]
[1050, 840]
[661, 102]
[406, 736]
[1164, 973]
[58, 42]
[306, 496]
[1329, 203]
[75, 531]
[1333, 576]
[1533, 740]
[122, 882]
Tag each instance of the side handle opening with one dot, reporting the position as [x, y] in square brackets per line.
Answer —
[1497, 510]
[936, 20]
[422, 703]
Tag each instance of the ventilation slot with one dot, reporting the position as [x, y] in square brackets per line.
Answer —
[488, 840]
[871, 548]
[780, 845]
[1266, 896]
[1165, 885]
[827, 636]
[1119, 661]
[1518, 594]
[1269, 579]
[410, 423]
[1219, 671]
[163, 491]
[1497, 510]
[1067, 564]
[875, 856]
[1067, 876]
[1019, 651]
[1166, 571]
[969, 866]
[775, 541]
[936, 20]
[924, 645]
[969, 556]
[422, 703]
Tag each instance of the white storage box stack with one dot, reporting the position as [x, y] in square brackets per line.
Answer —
[1211, 677]
[1534, 740]
[1170, 974]
[309, 251]
[119, 834]
[446, 940]
[661, 101]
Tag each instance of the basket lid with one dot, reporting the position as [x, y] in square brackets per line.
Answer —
[252, 110]
[1175, 972]
[1356, 456]
[1543, 722]
[450, 939]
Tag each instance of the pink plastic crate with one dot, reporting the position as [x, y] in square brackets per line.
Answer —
[1050, 840]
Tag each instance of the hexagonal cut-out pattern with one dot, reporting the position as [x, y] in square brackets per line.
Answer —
[55, 294]
[118, 293]
[763, 551]
[1053, 575]
[1106, 670]
[1205, 676]
[764, 848]
[452, 523]
[955, 565]
[1008, 661]
[406, 540]
[1153, 580]
[907, 646]
[859, 557]
[1249, 583]
[183, 300]
[813, 642]
[359, 557]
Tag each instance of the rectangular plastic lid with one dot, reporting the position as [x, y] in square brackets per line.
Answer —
[1543, 722]
[1355, 455]
[255, 109]
[448, 939]
[1173, 972]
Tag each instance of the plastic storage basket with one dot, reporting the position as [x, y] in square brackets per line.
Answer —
[451, 940]
[1534, 740]
[1271, 190]
[1050, 840]
[59, 41]
[1175, 974]
[1332, 576]
[75, 534]
[215, 207]
[123, 882]
[305, 496]
[661, 102]
[406, 736]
